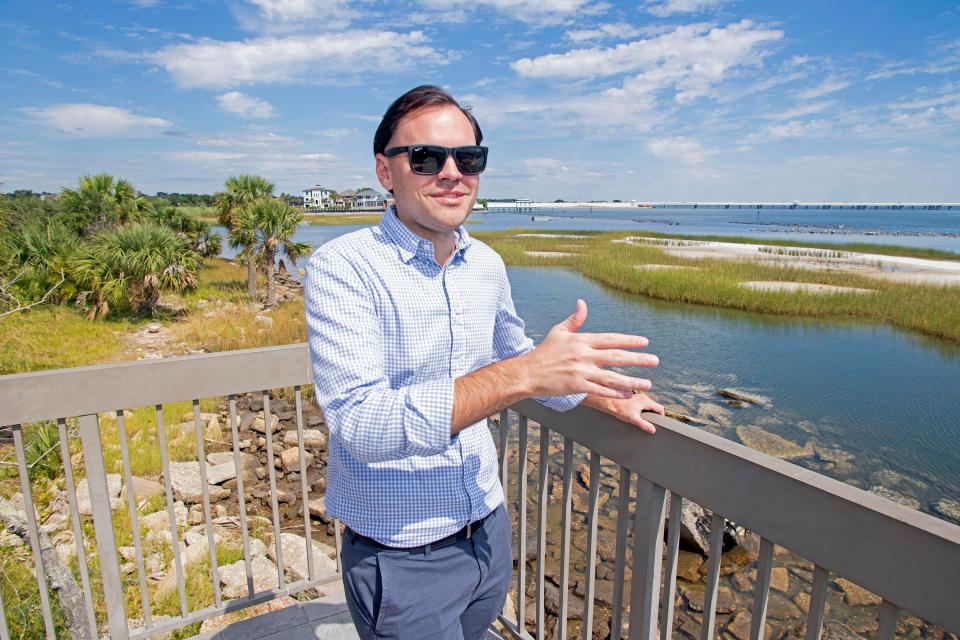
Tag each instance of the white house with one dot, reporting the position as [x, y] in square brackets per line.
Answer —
[368, 199]
[317, 196]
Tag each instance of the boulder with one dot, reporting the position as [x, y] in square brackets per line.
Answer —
[948, 508]
[114, 486]
[144, 489]
[743, 396]
[694, 526]
[220, 473]
[290, 459]
[856, 595]
[185, 480]
[158, 520]
[234, 577]
[259, 425]
[294, 549]
[247, 460]
[312, 438]
[772, 444]
[318, 508]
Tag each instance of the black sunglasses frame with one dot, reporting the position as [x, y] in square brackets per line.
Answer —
[447, 152]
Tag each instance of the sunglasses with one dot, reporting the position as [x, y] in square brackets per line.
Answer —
[428, 159]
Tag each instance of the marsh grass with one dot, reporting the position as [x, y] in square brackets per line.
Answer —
[927, 308]
[334, 219]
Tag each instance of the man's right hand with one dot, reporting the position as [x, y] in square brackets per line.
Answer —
[568, 362]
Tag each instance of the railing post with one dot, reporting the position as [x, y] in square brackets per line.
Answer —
[647, 554]
[103, 527]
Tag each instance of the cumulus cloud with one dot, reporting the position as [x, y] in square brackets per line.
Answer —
[828, 86]
[280, 15]
[617, 30]
[689, 59]
[304, 58]
[670, 7]
[544, 11]
[679, 149]
[86, 120]
[249, 140]
[245, 106]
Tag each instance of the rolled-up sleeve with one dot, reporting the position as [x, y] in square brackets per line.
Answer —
[372, 421]
[510, 340]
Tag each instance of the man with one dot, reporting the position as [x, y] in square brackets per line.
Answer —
[414, 341]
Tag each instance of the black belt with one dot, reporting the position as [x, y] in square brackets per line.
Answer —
[463, 534]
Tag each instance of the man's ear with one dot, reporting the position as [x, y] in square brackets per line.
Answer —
[383, 172]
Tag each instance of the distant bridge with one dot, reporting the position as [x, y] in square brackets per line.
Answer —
[529, 205]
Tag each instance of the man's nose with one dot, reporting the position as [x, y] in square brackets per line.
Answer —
[449, 170]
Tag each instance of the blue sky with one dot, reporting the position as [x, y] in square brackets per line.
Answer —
[844, 100]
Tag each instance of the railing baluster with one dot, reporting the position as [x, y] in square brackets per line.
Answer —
[717, 524]
[522, 472]
[565, 537]
[591, 560]
[113, 595]
[761, 590]
[4, 629]
[274, 507]
[242, 504]
[647, 551]
[504, 470]
[818, 601]
[670, 583]
[33, 532]
[620, 563]
[337, 541]
[542, 525]
[888, 620]
[171, 514]
[77, 529]
[134, 520]
[304, 485]
[205, 490]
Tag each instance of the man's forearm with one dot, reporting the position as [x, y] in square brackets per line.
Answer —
[487, 391]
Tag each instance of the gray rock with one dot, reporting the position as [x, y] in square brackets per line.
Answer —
[318, 508]
[234, 577]
[144, 489]
[290, 459]
[948, 508]
[220, 473]
[743, 396]
[114, 486]
[185, 480]
[158, 520]
[312, 438]
[694, 525]
[896, 496]
[259, 426]
[294, 549]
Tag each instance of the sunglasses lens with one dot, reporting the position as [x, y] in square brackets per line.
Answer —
[427, 160]
[471, 160]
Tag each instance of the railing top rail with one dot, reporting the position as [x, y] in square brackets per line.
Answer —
[910, 558]
[60, 393]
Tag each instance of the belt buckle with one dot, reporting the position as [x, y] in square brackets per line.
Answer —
[469, 530]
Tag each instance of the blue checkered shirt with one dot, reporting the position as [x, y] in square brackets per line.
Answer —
[389, 330]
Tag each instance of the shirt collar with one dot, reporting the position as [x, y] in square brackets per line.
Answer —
[410, 244]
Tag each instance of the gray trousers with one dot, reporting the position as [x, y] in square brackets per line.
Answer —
[452, 593]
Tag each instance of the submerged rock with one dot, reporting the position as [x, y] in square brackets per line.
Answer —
[772, 444]
[743, 396]
[896, 496]
[948, 508]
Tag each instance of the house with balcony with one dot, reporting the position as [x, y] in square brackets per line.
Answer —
[369, 199]
[317, 197]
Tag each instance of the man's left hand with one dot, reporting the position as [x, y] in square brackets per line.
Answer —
[628, 410]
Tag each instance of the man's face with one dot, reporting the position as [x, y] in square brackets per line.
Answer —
[431, 206]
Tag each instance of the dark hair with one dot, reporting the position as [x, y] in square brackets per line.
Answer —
[426, 95]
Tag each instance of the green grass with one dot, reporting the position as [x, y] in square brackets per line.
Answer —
[209, 214]
[926, 308]
[333, 219]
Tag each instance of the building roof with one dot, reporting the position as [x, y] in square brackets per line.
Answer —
[369, 192]
[318, 187]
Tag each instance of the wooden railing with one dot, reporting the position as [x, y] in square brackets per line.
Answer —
[910, 559]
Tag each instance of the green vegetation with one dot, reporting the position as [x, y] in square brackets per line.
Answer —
[927, 308]
[240, 193]
[334, 219]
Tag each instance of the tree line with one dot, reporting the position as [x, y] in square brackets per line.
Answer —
[106, 247]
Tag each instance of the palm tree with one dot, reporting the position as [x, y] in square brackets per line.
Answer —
[101, 201]
[240, 193]
[131, 265]
[194, 230]
[264, 230]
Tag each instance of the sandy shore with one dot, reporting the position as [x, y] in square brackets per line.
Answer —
[895, 268]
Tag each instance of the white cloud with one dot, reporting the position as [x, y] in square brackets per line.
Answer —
[249, 140]
[828, 86]
[245, 106]
[679, 149]
[301, 59]
[801, 110]
[305, 15]
[617, 30]
[96, 121]
[543, 11]
[336, 132]
[670, 7]
[689, 59]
